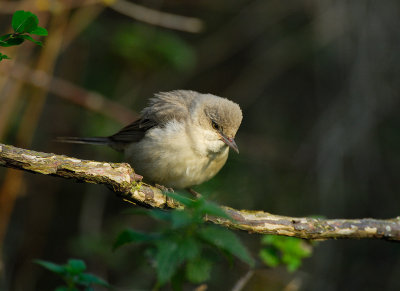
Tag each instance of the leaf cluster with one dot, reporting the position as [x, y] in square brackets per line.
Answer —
[24, 24]
[182, 251]
[73, 275]
[281, 250]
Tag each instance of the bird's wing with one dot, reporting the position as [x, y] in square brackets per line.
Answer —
[163, 108]
[133, 132]
[167, 106]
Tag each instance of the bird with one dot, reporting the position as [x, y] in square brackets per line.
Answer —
[181, 139]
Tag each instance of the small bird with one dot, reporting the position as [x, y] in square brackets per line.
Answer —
[182, 138]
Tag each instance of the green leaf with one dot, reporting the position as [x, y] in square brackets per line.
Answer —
[8, 35]
[24, 21]
[87, 279]
[129, 236]
[159, 214]
[75, 267]
[213, 209]
[167, 259]
[181, 218]
[287, 245]
[226, 240]
[198, 270]
[270, 257]
[40, 31]
[153, 213]
[58, 269]
[3, 57]
[181, 199]
[12, 40]
[289, 250]
[65, 288]
[27, 37]
[178, 280]
[292, 263]
[189, 248]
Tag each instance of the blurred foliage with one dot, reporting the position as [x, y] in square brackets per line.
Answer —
[23, 23]
[73, 275]
[148, 49]
[184, 249]
[281, 250]
[3, 57]
[317, 83]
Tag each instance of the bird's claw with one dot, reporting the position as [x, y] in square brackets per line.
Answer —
[194, 192]
[164, 189]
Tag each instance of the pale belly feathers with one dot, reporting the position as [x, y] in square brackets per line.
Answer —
[176, 163]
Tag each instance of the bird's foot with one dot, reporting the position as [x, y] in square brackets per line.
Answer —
[194, 192]
[164, 189]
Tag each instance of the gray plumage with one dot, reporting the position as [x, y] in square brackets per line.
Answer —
[181, 139]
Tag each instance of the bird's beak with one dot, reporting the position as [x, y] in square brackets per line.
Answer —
[230, 142]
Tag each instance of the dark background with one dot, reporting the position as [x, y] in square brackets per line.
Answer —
[318, 83]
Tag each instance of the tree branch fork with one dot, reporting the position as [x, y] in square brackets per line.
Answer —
[121, 179]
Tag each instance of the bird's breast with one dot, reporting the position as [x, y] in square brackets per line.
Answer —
[166, 156]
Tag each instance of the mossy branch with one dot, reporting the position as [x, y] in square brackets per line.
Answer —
[122, 179]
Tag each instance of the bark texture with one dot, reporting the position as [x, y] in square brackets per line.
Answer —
[121, 178]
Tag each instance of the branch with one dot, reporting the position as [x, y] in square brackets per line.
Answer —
[135, 11]
[122, 179]
[155, 17]
[70, 92]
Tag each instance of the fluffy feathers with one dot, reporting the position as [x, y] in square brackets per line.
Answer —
[180, 140]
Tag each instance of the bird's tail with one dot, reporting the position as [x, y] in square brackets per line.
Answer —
[85, 140]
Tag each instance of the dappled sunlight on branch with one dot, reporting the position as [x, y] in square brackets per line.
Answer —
[121, 178]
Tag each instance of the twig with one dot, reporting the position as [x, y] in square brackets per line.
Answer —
[243, 281]
[135, 11]
[73, 93]
[121, 178]
[155, 17]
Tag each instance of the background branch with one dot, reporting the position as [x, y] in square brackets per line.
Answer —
[121, 178]
[62, 88]
[133, 10]
[158, 18]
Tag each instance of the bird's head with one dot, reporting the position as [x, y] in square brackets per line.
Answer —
[220, 119]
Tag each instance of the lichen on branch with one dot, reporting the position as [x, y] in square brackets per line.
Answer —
[121, 178]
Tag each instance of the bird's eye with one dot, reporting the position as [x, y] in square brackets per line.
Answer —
[215, 125]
